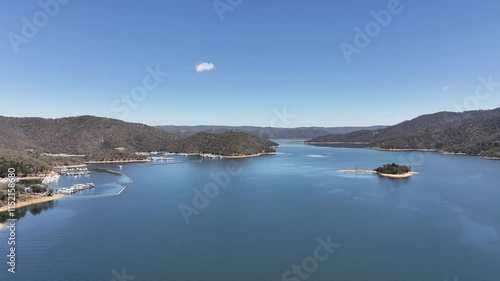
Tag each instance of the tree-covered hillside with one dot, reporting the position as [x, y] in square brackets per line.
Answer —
[24, 142]
[471, 132]
[80, 135]
[228, 143]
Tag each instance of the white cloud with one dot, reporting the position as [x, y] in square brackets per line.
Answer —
[447, 87]
[204, 66]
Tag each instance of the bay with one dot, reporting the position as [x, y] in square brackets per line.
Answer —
[441, 224]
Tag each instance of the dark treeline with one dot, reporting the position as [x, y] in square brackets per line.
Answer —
[393, 169]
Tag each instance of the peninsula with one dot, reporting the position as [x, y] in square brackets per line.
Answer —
[468, 133]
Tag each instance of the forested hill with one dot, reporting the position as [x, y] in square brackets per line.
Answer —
[90, 135]
[470, 132]
[228, 143]
[80, 135]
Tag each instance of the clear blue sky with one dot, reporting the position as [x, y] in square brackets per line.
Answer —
[267, 55]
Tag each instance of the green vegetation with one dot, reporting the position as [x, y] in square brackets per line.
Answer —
[33, 164]
[80, 135]
[21, 194]
[25, 163]
[112, 155]
[97, 139]
[227, 144]
[471, 133]
[393, 169]
[87, 138]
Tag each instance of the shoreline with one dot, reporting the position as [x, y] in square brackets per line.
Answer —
[118, 161]
[34, 201]
[359, 171]
[71, 166]
[490, 158]
[250, 155]
[396, 176]
[407, 149]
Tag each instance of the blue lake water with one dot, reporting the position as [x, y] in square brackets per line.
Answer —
[267, 217]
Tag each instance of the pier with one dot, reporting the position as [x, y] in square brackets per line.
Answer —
[113, 172]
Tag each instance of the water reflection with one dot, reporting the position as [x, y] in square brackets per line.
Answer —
[33, 209]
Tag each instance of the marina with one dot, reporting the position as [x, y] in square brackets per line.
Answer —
[211, 156]
[75, 188]
[160, 158]
[77, 171]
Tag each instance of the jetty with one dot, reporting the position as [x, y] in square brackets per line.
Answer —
[113, 172]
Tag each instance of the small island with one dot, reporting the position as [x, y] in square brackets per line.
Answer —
[391, 170]
[394, 170]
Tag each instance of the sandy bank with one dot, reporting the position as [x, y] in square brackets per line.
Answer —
[34, 200]
[399, 176]
[118, 161]
[250, 155]
[359, 171]
[490, 158]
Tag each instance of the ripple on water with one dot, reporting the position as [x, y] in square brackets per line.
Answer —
[315, 156]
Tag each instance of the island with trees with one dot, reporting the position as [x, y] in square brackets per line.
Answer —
[394, 170]
[390, 170]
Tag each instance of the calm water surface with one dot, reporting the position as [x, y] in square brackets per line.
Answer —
[441, 224]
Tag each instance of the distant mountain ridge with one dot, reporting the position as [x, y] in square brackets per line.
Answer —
[471, 132]
[266, 132]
